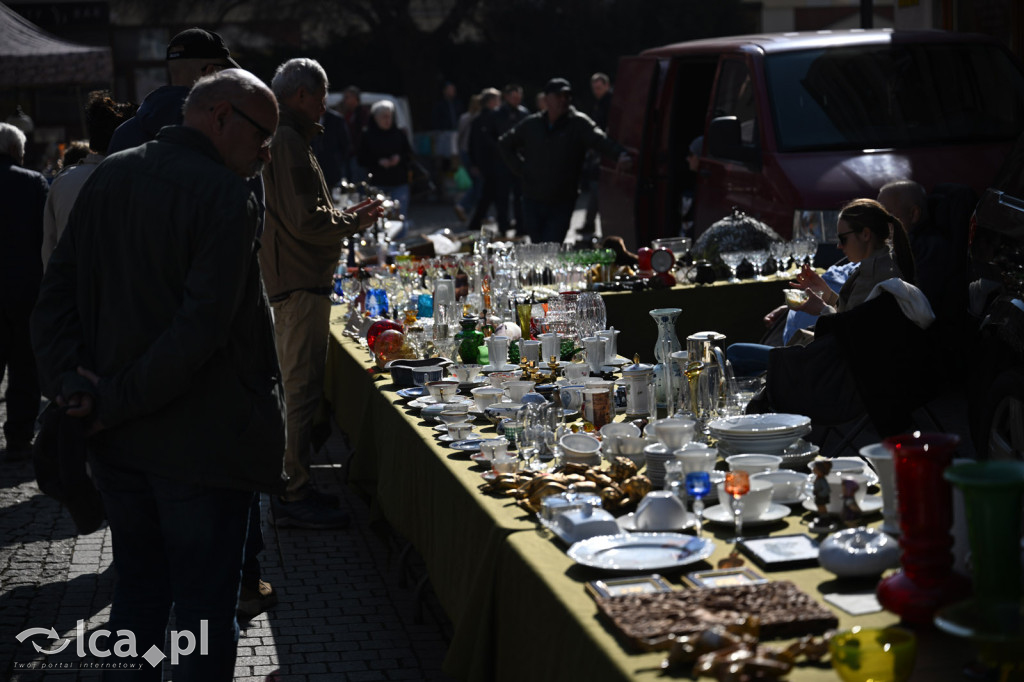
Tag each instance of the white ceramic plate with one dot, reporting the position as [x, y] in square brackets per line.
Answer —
[869, 505]
[468, 445]
[641, 551]
[448, 438]
[420, 403]
[412, 393]
[722, 513]
[500, 368]
[759, 423]
[628, 524]
[767, 444]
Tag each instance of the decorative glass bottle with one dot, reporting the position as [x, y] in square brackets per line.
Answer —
[667, 343]
[470, 340]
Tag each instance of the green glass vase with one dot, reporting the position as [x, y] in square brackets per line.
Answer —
[470, 340]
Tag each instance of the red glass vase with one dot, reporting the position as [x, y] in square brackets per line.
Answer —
[927, 581]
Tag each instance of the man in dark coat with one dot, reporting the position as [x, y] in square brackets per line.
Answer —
[153, 325]
[547, 152]
[601, 86]
[509, 114]
[23, 197]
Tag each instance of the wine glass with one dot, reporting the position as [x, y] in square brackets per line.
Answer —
[698, 485]
[780, 252]
[737, 484]
[732, 260]
[758, 258]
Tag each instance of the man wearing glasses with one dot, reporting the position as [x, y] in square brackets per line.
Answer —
[300, 254]
[153, 326]
[192, 54]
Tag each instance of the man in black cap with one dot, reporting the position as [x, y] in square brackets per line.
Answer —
[547, 151]
[191, 54]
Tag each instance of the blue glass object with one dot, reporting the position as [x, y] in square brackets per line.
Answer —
[376, 302]
[425, 306]
[698, 484]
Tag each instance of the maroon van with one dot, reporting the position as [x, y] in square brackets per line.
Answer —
[796, 124]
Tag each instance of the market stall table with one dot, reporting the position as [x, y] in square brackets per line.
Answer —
[736, 310]
[517, 602]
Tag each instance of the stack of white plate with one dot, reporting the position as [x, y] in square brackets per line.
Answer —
[768, 433]
[656, 455]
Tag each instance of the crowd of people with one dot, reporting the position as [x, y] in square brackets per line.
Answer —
[170, 289]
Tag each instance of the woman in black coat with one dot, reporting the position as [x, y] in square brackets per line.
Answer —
[384, 151]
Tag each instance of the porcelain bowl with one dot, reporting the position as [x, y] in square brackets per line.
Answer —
[579, 445]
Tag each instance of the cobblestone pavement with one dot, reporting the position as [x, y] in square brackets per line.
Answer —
[345, 613]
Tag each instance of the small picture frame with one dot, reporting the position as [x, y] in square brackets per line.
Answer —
[782, 552]
[723, 577]
[640, 584]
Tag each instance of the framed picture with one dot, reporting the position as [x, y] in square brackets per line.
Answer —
[640, 584]
[782, 552]
[722, 577]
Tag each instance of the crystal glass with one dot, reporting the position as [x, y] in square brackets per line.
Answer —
[698, 485]
[732, 260]
[737, 484]
[758, 258]
[675, 478]
[591, 315]
[780, 252]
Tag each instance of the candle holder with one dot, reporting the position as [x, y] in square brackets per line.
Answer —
[927, 581]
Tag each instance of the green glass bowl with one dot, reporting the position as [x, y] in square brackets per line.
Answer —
[873, 655]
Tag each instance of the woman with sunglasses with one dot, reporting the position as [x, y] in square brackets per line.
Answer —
[865, 232]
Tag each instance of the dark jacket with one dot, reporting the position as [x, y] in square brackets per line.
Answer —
[159, 292]
[333, 148]
[508, 117]
[483, 141]
[162, 107]
[549, 157]
[22, 198]
[377, 144]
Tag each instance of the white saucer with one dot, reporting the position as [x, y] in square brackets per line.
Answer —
[469, 445]
[443, 428]
[627, 523]
[448, 438]
[618, 361]
[869, 505]
[500, 368]
[480, 458]
[722, 513]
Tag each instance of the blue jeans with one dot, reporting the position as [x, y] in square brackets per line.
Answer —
[400, 193]
[547, 221]
[748, 359]
[174, 543]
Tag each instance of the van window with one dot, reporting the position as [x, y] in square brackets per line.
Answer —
[882, 96]
[734, 96]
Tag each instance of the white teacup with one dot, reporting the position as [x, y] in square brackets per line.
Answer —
[660, 510]
[789, 485]
[576, 372]
[620, 429]
[673, 433]
[466, 373]
[497, 350]
[571, 397]
[493, 447]
[753, 464]
[835, 486]
[595, 346]
[696, 457]
[485, 395]
[460, 430]
[505, 463]
[530, 351]
[517, 389]
[444, 390]
[550, 344]
[451, 416]
[755, 502]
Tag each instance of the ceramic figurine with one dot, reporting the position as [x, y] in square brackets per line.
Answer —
[823, 522]
[850, 513]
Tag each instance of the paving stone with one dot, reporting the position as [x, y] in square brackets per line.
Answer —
[339, 591]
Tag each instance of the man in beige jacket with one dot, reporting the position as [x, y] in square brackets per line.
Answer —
[301, 247]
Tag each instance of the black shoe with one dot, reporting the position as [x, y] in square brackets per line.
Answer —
[18, 451]
[252, 601]
[308, 512]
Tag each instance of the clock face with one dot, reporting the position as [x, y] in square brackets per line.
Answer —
[662, 260]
